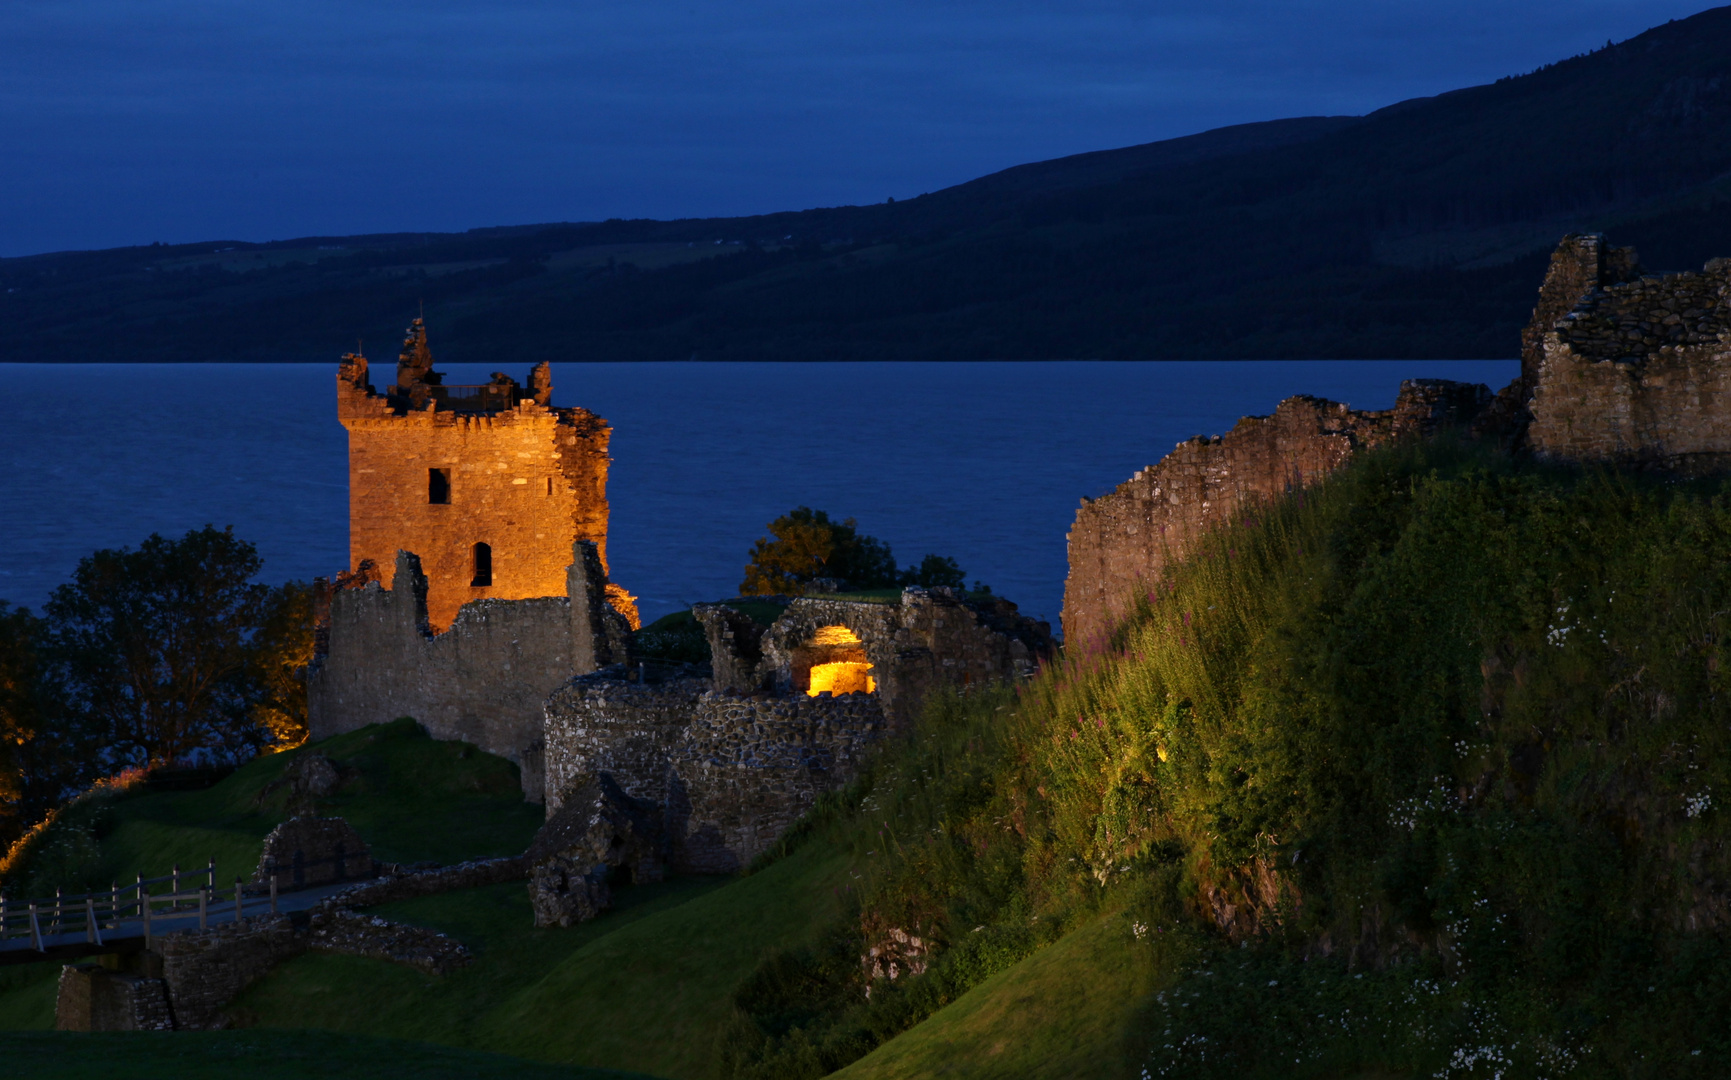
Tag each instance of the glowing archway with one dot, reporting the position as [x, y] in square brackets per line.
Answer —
[838, 663]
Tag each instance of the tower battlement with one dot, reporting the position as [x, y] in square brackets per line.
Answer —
[489, 484]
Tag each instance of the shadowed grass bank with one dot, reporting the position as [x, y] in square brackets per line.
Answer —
[261, 1055]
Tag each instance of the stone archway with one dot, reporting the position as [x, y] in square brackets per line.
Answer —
[833, 660]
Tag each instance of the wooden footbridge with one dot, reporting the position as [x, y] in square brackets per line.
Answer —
[125, 919]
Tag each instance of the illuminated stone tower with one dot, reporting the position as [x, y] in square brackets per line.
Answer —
[490, 485]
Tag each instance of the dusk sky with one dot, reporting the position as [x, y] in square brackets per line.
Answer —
[177, 120]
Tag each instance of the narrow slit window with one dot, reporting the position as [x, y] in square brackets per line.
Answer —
[439, 486]
[549, 487]
[483, 566]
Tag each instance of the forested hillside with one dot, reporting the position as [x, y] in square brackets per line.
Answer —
[1416, 231]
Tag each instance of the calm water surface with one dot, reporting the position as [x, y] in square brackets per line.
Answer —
[982, 461]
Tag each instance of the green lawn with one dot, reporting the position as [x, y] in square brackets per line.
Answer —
[644, 987]
[411, 797]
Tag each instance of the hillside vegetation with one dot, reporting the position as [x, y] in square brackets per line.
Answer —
[1419, 230]
[1417, 773]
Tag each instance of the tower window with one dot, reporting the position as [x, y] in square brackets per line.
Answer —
[483, 566]
[439, 486]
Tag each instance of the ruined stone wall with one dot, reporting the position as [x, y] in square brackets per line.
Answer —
[730, 772]
[603, 723]
[205, 969]
[483, 681]
[1122, 541]
[306, 851]
[91, 997]
[1582, 262]
[1638, 373]
[528, 481]
[750, 766]
[932, 637]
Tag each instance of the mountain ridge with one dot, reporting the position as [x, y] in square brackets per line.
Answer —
[1415, 230]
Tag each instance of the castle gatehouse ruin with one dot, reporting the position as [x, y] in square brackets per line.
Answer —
[1617, 367]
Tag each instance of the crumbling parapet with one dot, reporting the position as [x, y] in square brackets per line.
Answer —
[600, 635]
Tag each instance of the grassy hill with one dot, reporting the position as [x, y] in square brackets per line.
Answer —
[1416, 774]
[1419, 230]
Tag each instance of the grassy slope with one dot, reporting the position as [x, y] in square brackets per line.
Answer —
[1063, 1012]
[259, 1055]
[644, 987]
[411, 797]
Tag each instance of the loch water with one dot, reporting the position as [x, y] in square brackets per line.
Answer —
[985, 462]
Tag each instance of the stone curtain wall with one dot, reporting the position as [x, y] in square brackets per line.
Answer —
[750, 767]
[528, 481]
[729, 772]
[1638, 373]
[732, 762]
[1122, 541]
[483, 681]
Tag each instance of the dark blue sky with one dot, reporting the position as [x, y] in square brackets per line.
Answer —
[127, 121]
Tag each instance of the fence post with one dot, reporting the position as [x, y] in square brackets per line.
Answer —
[55, 926]
[239, 913]
[203, 901]
[138, 896]
[174, 884]
[36, 929]
[210, 873]
[114, 905]
[92, 932]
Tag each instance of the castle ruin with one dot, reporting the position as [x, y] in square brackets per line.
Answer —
[1617, 368]
[489, 485]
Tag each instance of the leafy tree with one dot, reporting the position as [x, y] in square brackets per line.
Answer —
[935, 571]
[168, 651]
[18, 663]
[807, 545]
[282, 651]
[20, 715]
